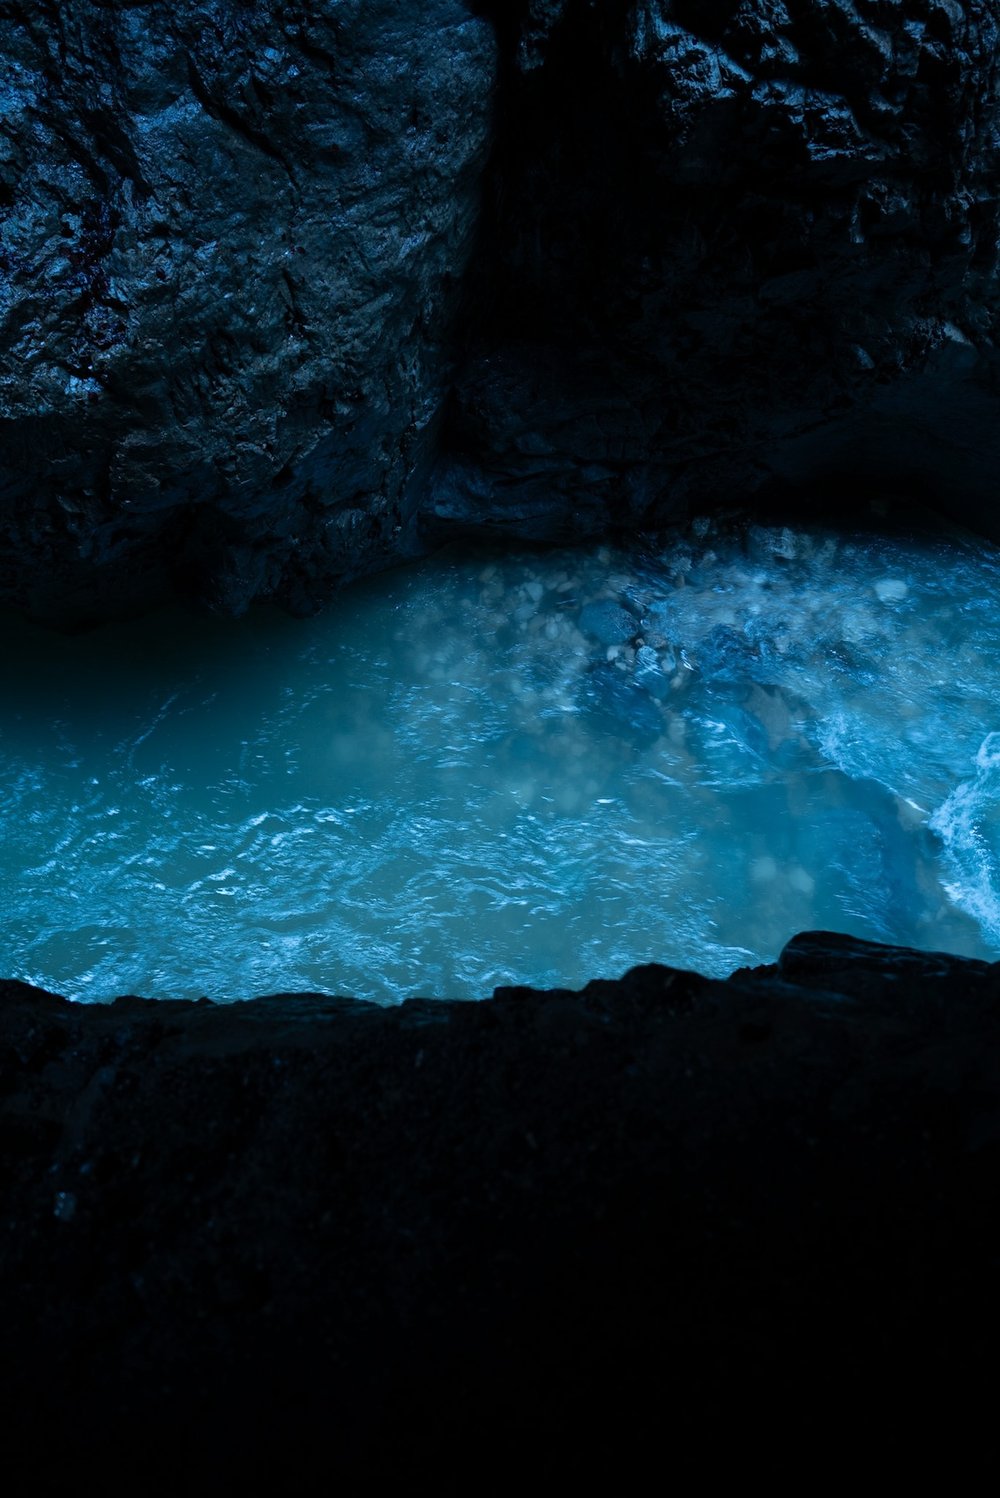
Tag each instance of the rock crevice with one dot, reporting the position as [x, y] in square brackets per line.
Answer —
[278, 283]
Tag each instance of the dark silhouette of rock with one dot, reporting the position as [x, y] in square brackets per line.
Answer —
[549, 1231]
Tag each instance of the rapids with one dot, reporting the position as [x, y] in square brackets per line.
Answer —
[535, 767]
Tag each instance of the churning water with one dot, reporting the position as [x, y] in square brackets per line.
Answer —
[536, 767]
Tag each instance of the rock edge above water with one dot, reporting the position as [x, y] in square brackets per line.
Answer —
[278, 283]
[579, 1225]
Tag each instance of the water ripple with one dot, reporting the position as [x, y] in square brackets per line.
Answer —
[457, 778]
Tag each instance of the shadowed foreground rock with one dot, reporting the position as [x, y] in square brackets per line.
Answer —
[551, 1233]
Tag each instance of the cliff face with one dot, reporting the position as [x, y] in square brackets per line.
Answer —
[231, 237]
[278, 279]
[734, 248]
[280, 283]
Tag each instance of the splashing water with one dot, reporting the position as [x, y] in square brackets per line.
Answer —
[968, 823]
[539, 768]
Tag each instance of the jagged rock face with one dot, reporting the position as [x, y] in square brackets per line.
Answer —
[250, 253]
[230, 237]
[738, 246]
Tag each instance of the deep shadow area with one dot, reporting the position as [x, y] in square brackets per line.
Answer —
[724, 252]
[665, 1219]
[551, 269]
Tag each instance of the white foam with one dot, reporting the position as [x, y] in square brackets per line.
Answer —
[891, 589]
[973, 859]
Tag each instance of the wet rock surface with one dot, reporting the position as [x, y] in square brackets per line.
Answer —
[562, 1229]
[738, 246]
[230, 238]
[276, 281]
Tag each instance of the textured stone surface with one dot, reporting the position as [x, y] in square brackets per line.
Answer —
[740, 247]
[556, 1232]
[229, 240]
[727, 248]
[647, 257]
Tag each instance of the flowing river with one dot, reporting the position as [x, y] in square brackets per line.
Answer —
[540, 767]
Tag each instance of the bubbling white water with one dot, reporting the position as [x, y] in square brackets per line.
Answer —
[534, 768]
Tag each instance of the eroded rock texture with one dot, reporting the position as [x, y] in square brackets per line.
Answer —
[645, 257]
[230, 238]
[738, 246]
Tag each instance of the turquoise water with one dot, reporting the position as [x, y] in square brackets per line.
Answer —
[539, 768]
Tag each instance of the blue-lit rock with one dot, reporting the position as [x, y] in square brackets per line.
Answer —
[276, 282]
[736, 248]
[607, 622]
[230, 240]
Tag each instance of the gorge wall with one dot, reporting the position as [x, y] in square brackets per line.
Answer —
[283, 286]
[231, 242]
[286, 292]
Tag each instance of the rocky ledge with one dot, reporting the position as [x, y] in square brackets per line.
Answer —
[552, 1234]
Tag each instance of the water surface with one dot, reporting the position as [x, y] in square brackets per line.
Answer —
[538, 768]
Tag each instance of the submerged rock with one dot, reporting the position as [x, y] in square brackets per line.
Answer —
[618, 705]
[607, 622]
[863, 863]
[726, 658]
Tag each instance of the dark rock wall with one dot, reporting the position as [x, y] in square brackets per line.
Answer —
[230, 237]
[738, 247]
[554, 1234]
[277, 277]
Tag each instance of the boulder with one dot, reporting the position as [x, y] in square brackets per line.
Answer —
[230, 242]
[741, 252]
